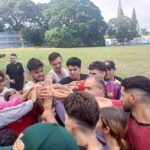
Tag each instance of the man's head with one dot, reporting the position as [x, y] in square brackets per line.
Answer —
[95, 86]
[111, 69]
[135, 90]
[74, 67]
[13, 58]
[35, 67]
[2, 78]
[82, 112]
[55, 61]
[97, 68]
[7, 137]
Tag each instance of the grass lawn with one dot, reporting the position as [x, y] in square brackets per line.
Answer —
[130, 60]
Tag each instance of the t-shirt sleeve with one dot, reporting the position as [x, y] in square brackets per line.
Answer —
[22, 68]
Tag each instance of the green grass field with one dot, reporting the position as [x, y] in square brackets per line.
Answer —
[130, 60]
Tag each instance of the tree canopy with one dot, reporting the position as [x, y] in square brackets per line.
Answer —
[74, 23]
[23, 16]
[122, 28]
[62, 23]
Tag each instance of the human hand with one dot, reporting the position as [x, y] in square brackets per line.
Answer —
[61, 93]
[49, 115]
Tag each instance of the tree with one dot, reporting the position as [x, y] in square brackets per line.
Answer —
[2, 25]
[135, 23]
[122, 28]
[144, 32]
[20, 15]
[74, 23]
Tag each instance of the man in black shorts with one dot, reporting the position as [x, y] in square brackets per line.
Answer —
[15, 73]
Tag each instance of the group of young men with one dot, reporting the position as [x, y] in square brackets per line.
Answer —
[73, 100]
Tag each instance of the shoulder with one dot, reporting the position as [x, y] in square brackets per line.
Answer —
[83, 76]
[8, 65]
[118, 78]
[18, 63]
[28, 85]
[65, 80]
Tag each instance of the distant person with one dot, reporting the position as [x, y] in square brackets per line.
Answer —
[74, 67]
[15, 73]
[111, 72]
[57, 73]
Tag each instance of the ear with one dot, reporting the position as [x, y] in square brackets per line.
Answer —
[72, 124]
[107, 130]
[30, 73]
[104, 73]
[133, 97]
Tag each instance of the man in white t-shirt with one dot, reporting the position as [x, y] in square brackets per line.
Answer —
[57, 73]
[36, 71]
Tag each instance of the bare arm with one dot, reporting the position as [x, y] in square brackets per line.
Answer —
[10, 80]
[25, 77]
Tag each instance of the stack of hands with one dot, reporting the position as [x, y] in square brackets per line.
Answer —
[44, 92]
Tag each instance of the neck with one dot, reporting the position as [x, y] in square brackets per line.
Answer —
[87, 140]
[112, 143]
[78, 78]
[58, 71]
[141, 113]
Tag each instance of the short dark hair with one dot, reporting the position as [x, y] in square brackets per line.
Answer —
[74, 61]
[101, 66]
[83, 107]
[34, 64]
[110, 64]
[13, 54]
[53, 56]
[136, 82]
[2, 75]
[7, 137]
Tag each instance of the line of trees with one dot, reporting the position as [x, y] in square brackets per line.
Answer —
[65, 23]
[61, 23]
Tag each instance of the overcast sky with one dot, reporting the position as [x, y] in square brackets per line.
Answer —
[109, 9]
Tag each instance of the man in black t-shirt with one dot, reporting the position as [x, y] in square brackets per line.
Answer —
[15, 73]
[74, 67]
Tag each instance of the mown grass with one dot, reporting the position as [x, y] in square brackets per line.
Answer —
[130, 60]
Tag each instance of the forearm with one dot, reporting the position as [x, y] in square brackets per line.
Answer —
[25, 77]
[7, 77]
[15, 101]
[12, 114]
